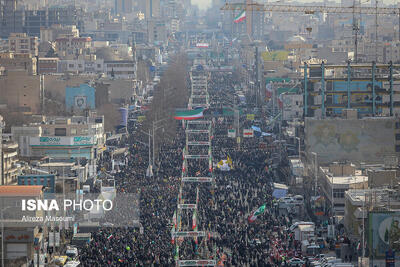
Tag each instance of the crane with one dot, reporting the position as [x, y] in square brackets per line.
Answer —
[312, 9]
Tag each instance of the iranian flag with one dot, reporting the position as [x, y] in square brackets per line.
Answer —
[172, 235]
[186, 114]
[174, 220]
[257, 212]
[194, 220]
[240, 17]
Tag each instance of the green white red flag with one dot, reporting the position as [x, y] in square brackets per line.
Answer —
[240, 17]
[257, 212]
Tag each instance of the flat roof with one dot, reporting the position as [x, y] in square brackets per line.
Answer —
[20, 190]
[348, 179]
[58, 164]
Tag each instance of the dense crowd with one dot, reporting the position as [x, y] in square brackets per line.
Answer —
[223, 210]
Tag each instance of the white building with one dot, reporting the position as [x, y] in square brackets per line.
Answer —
[292, 106]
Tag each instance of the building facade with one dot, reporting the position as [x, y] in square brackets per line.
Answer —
[21, 43]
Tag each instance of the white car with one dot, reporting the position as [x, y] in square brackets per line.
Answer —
[295, 262]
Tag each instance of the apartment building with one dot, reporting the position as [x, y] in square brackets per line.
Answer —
[21, 43]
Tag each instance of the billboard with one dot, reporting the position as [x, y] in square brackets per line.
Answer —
[81, 97]
[47, 180]
[62, 141]
[361, 86]
[384, 233]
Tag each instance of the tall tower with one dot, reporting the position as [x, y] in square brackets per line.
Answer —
[152, 9]
[249, 18]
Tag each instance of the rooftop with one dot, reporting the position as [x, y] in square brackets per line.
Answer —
[20, 190]
[58, 164]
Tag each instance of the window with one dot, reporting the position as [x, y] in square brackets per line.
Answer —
[60, 132]
[397, 136]
[73, 131]
[397, 125]
[338, 193]
[397, 148]
[46, 131]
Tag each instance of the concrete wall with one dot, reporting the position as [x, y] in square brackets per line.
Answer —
[364, 140]
[22, 91]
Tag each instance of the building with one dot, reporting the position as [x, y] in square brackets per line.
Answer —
[71, 47]
[11, 18]
[359, 202]
[120, 69]
[80, 98]
[50, 34]
[292, 106]
[22, 134]
[63, 138]
[23, 91]
[21, 43]
[9, 163]
[122, 6]
[1, 147]
[152, 9]
[48, 65]
[89, 66]
[368, 139]
[336, 179]
[14, 61]
[20, 237]
[156, 31]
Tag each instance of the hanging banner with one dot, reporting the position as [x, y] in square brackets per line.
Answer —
[232, 133]
[51, 239]
[57, 239]
[250, 117]
[248, 133]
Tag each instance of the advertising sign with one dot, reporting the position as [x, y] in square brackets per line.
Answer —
[250, 117]
[18, 236]
[390, 258]
[57, 239]
[51, 239]
[384, 229]
[62, 140]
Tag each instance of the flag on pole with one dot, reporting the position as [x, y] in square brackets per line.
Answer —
[172, 235]
[174, 219]
[257, 212]
[109, 237]
[194, 221]
[240, 17]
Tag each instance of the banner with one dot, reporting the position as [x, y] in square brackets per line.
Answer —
[232, 133]
[51, 239]
[248, 133]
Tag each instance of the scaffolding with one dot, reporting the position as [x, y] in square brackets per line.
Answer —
[370, 88]
[187, 216]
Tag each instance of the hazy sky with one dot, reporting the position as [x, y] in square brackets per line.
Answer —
[202, 4]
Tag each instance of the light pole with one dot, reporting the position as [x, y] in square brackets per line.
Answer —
[316, 173]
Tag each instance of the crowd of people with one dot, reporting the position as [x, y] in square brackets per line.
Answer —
[223, 210]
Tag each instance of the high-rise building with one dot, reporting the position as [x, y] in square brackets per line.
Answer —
[122, 6]
[1, 146]
[152, 9]
[11, 19]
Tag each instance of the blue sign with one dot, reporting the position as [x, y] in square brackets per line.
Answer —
[47, 180]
